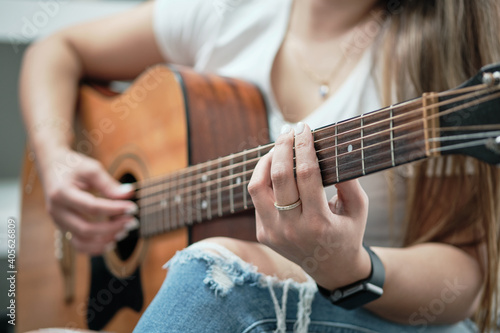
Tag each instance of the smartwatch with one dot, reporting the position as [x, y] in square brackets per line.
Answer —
[361, 292]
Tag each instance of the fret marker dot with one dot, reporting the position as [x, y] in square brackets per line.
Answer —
[238, 181]
[177, 198]
[163, 203]
[204, 178]
[349, 148]
[204, 204]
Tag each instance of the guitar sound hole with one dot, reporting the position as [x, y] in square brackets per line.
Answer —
[125, 247]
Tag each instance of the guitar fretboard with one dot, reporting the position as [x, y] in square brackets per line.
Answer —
[349, 149]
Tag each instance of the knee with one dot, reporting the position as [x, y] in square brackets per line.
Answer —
[240, 248]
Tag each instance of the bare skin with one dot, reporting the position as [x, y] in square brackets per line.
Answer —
[121, 47]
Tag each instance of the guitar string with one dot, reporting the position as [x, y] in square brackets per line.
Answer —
[456, 109]
[233, 156]
[249, 172]
[476, 88]
[438, 115]
[354, 141]
[164, 225]
[236, 174]
[356, 161]
[238, 206]
[209, 184]
[417, 144]
[226, 198]
[225, 189]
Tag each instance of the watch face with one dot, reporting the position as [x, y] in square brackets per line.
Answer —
[336, 295]
[357, 300]
[361, 292]
[356, 296]
[353, 290]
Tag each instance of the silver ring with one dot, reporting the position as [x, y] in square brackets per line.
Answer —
[288, 207]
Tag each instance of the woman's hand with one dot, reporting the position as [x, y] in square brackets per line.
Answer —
[324, 238]
[72, 182]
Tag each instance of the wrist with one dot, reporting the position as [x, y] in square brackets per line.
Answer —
[51, 157]
[51, 135]
[361, 292]
[334, 276]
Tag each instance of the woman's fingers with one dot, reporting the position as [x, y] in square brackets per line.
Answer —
[87, 228]
[351, 199]
[86, 203]
[282, 173]
[99, 179]
[309, 180]
[260, 186]
[93, 235]
[93, 221]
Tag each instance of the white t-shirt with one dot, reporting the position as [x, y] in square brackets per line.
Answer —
[240, 38]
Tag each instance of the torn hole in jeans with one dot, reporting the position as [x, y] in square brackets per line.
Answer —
[225, 270]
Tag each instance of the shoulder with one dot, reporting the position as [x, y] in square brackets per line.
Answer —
[201, 10]
[184, 28]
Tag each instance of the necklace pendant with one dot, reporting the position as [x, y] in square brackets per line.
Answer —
[324, 89]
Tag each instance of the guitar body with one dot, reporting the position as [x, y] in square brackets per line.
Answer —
[165, 121]
[168, 120]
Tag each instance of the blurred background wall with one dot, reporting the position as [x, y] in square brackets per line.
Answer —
[22, 22]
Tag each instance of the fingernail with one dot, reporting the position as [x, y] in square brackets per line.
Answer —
[121, 235]
[132, 224]
[285, 129]
[299, 128]
[110, 247]
[125, 188]
[270, 151]
[132, 210]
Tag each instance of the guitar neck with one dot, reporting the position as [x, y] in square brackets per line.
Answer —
[348, 149]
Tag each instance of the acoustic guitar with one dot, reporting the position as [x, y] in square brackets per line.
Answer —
[190, 142]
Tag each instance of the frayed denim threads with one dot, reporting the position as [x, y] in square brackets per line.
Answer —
[210, 289]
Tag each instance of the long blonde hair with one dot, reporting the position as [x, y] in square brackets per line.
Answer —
[434, 45]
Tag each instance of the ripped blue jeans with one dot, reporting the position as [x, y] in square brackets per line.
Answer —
[210, 289]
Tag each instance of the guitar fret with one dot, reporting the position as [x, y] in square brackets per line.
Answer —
[243, 184]
[179, 221]
[352, 148]
[189, 199]
[337, 152]
[376, 141]
[391, 115]
[171, 203]
[362, 150]
[198, 195]
[180, 209]
[163, 205]
[209, 192]
[349, 149]
[231, 192]
[219, 194]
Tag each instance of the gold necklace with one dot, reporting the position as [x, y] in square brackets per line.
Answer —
[323, 82]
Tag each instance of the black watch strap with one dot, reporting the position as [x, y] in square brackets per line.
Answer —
[361, 292]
